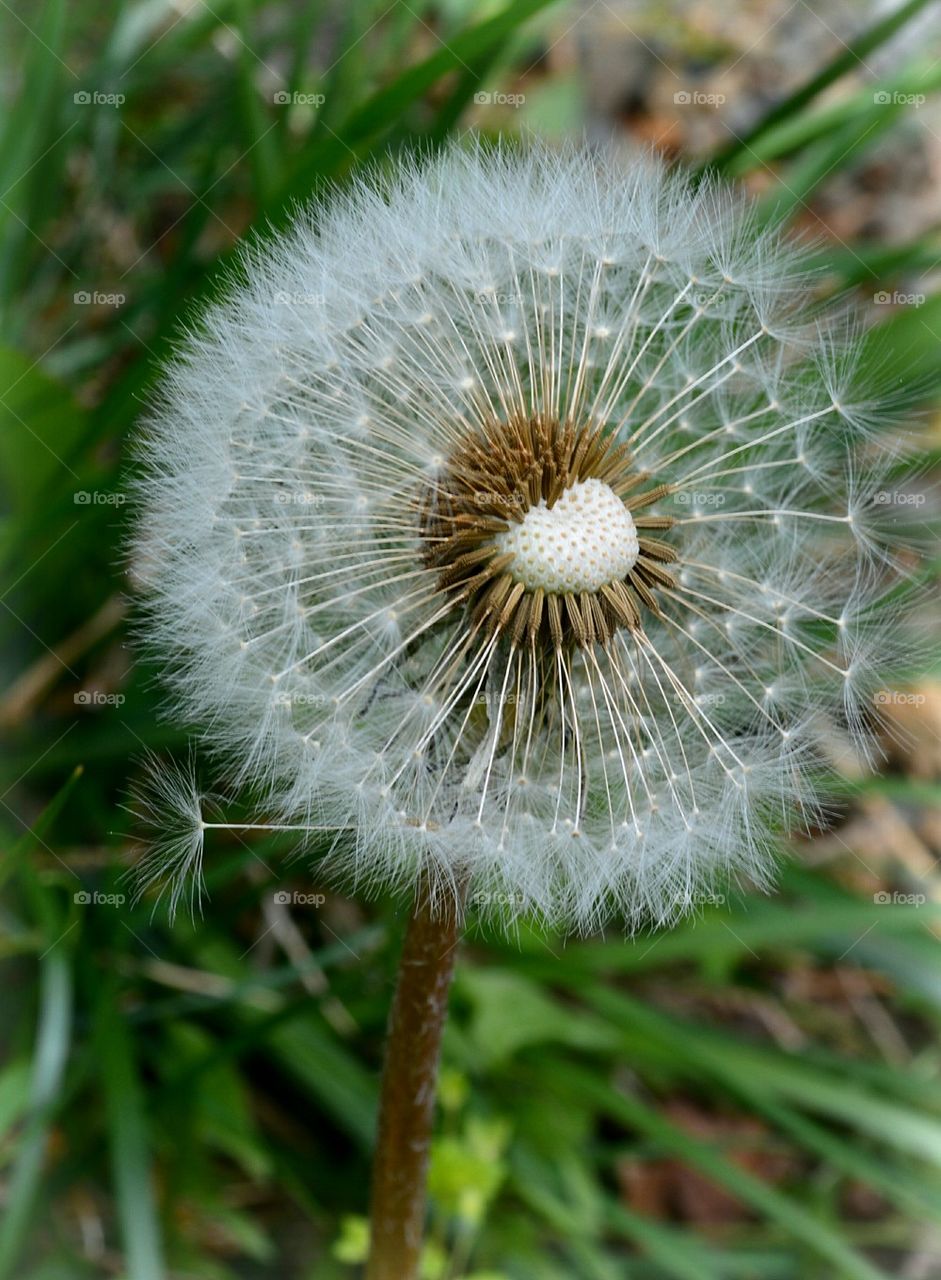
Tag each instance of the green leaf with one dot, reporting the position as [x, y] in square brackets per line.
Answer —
[511, 1013]
[864, 105]
[904, 349]
[40, 427]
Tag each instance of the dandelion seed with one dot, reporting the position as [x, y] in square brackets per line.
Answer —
[168, 805]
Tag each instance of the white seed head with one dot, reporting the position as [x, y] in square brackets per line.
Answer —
[507, 612]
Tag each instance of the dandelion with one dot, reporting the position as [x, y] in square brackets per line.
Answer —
[508, 519]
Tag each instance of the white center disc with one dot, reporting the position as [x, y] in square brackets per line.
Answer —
[584, 542]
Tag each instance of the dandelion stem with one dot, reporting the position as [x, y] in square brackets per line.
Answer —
[409, 1081]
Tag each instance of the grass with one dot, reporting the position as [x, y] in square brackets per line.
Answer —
[752, 1094]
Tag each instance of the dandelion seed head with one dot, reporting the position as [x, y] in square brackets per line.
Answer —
[498, 518]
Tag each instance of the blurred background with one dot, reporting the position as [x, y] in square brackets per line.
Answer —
[754, 1094]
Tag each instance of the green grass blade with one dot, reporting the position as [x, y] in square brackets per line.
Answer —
[33, 835]
[678, 1255]
[257, 138]
[375, 116]
[307, 1049]
[723, 936]
[916, 82]
[838, 149]
[25, 137]
[130, 1146]
[849, 60]
[915, 1133]
[48, 1068]
[791, 1217]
